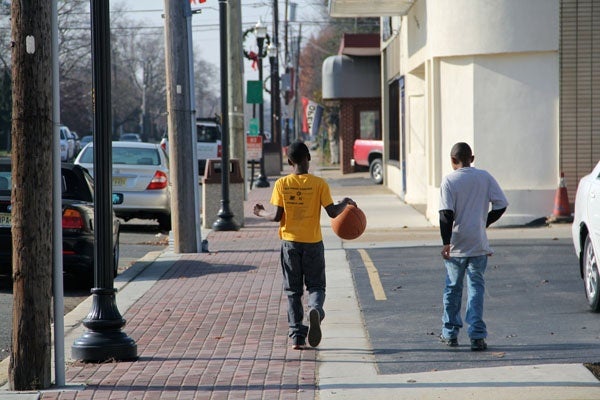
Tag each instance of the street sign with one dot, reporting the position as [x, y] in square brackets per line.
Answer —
[253, 127]
[253, 148]
[254, 92]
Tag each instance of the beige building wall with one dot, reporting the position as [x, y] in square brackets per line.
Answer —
[485, 73]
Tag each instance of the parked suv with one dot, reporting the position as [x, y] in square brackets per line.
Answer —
[208, 141]
[67, 144]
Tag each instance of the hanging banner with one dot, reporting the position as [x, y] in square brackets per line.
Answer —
[311, 117]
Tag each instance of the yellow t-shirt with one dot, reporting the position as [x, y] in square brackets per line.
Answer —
[301, 197]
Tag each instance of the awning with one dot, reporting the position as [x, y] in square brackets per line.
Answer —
[351, 77]
[368, 8]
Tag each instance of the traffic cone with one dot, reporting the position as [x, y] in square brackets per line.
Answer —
[562, 210]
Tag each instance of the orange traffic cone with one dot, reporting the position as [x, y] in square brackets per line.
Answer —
[562, 210]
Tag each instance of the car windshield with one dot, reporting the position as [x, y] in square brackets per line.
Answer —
[5, 182]
[72, 186]
[75, 188]
[126, 155]
[132, 137]
[208, 134]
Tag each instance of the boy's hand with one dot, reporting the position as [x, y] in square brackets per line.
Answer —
[258, 208]
[446, 252]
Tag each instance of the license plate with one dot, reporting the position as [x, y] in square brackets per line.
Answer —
[119, 181]
[5, 219]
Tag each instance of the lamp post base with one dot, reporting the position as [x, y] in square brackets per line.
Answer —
[225, 222]
[104, 339]
[104, 346]
[262, 181]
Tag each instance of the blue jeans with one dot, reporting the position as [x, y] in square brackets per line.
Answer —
[456, 267]
[303, 264]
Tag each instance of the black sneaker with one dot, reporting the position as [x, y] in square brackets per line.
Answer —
[450, 342]
[478, 344]
[314, 327]
[298, 342]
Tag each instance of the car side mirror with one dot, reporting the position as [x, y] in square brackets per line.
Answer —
[117, 198]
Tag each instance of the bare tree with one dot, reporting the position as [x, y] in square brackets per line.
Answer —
[137, 64]
[30, 359]
[206, 87]
[140, 82]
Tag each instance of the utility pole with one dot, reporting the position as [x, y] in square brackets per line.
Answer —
[32, 133]
[236, 84]
[296, 85]
[275, 98]
[181, 146]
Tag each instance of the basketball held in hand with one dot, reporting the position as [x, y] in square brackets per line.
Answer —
[350, 224]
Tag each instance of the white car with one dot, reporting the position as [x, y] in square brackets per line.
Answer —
[208, 141]
[586, 234]
[140, 173]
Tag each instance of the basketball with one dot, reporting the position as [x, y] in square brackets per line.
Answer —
[350, 224]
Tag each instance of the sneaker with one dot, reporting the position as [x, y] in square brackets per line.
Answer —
[298, 342]
[478, 344]
[314, 327]
[450, 342]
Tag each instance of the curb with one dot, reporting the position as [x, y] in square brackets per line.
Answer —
[131, 284]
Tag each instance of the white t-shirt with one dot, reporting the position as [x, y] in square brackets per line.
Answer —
[468, 192]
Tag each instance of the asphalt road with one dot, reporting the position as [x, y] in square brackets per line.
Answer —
[137, 238]
[535, 308]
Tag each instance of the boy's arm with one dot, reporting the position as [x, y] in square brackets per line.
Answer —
[333, 210]
[259, 210]
[446, 223]
[494, 216]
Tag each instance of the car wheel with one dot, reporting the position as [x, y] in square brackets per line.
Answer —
[591, 278]
[116, 257]
[376, 170]
[164, 222]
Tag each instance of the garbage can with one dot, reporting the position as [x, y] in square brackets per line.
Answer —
[212, 192]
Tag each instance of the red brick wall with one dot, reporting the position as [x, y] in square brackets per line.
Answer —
[349, 129]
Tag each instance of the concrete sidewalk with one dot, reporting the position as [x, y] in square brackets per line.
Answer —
[213, 326]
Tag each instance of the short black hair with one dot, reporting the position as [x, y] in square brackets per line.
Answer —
[462, 152]
[298, 152]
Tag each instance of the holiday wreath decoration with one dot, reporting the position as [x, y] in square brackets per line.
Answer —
[251, 55]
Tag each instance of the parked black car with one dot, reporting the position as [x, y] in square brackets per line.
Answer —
[77, 223]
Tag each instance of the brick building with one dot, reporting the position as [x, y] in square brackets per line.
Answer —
[352, 81]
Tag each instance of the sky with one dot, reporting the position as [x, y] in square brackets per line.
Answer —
[205, 25]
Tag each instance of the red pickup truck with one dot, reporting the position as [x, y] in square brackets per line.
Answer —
[368, 153]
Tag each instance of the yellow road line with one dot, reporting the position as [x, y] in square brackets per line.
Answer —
[376, 285]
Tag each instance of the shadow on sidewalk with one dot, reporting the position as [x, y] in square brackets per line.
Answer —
[190, 268]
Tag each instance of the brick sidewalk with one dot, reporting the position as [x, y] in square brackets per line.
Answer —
[213, 327]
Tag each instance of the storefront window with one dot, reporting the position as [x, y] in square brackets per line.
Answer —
[370, 125]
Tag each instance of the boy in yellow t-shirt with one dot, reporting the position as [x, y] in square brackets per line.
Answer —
[298, 198]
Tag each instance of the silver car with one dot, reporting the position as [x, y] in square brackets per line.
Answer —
[140, 172]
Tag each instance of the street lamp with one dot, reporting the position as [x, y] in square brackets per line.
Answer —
[260, 31]
[103, 339]
[225, 221]
[275, 97]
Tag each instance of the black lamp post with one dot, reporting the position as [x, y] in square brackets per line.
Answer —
[103, 340]
[225, 221]
[275, 98]
[260, 31]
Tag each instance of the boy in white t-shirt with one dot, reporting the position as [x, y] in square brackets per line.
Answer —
[465, 198]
